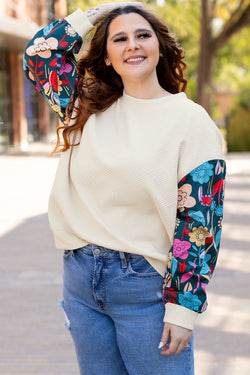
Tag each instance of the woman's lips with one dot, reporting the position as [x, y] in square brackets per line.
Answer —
[135, 59]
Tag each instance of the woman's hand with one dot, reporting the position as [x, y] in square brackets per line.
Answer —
[95, 14]
[179, 339]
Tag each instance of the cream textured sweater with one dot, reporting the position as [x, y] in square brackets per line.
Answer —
[118, 188]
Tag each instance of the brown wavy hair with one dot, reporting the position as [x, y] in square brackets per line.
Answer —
[99, 86]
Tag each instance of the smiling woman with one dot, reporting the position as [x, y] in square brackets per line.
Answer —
[137, 201]
[127, 31]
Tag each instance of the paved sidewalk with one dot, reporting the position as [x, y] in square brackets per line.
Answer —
[33, 339]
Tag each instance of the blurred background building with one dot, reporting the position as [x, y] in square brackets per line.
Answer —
[24, 114]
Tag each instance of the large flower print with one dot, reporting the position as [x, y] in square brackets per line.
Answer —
[42, 47]
[180, 248]
[189, 300]
[184, 199]
[202, 173]
[199, 235]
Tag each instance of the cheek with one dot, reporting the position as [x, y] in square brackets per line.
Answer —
[114, 51]
[153, 48]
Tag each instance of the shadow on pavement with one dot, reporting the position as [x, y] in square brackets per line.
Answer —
[33, 338]
[223, 332]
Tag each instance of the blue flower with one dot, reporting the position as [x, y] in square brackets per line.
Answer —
[190, 301]
[202, 173]
[219, 211]
[213, 206]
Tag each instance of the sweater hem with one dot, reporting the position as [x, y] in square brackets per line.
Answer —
[180, 316]
[80, 23]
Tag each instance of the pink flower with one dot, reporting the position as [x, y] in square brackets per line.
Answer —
[65, 67]
[180, 248]
[42, 47]
[184, 199]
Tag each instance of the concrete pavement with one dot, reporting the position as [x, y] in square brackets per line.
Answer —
[33, 339]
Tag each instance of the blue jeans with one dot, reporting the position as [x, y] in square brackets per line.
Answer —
[114, 311]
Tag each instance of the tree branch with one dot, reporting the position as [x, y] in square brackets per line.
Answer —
[237, 9]
[231, 27]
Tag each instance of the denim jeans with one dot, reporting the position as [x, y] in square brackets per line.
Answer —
[114, 311]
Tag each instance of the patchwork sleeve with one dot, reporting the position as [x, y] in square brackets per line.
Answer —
[49, 61]
[193, 256]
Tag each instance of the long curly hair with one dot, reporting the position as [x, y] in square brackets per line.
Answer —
[99, 86]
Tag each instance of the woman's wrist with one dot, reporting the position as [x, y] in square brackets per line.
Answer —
[93, 15]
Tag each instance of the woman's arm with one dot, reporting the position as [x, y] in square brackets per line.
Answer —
[193, 256]
[49, 61]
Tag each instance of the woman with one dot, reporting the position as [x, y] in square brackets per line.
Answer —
[135, 151]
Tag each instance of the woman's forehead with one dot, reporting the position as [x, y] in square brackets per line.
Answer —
[128, 22]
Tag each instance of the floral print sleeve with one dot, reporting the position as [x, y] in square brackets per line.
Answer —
[50, 65]
[193, 256]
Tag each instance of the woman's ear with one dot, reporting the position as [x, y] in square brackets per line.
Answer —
[107, 61]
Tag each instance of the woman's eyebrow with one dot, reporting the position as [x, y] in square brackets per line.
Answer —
[136, 31]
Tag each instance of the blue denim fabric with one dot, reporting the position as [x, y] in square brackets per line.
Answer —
[114, 310]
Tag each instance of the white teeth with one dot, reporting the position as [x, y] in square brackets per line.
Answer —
[135, 59]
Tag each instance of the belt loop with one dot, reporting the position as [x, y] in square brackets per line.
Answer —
[123, 259]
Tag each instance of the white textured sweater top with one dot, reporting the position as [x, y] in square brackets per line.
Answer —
[118, 188]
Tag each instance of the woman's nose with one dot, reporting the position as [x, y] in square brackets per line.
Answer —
[132, 44]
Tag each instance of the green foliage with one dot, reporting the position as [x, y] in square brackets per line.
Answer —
[83, 4]
[239, 123]
[233, 61]
[183, 18]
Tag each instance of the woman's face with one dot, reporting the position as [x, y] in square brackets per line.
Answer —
[132, 48]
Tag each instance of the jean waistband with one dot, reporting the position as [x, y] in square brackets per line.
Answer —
[103, 252]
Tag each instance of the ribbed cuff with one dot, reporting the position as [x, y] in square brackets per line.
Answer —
[80, 22]
[180, 316]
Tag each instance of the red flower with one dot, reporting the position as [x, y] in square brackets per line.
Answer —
[206, 200]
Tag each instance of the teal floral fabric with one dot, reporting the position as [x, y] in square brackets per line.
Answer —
[50, 65]
[193, 256]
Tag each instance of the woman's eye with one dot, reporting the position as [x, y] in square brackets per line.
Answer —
[144, 35]
[121, 39]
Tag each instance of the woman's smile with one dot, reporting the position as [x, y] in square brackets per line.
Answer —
[135, 60]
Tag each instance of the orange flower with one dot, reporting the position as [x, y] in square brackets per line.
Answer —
[42, 47]
[184, 199]
[199, 235]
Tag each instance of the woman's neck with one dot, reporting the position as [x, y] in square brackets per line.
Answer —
[145, 90]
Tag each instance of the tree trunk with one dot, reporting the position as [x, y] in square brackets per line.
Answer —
[206, 57]
[209, 46]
